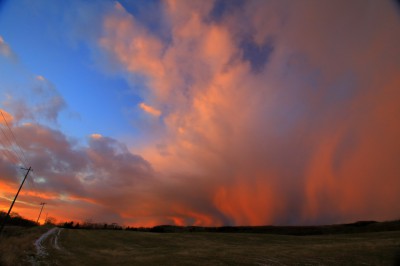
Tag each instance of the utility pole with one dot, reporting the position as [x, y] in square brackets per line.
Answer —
[12, 204]
[41, 209]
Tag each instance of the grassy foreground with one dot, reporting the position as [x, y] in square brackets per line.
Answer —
[16, 244]
[95, 247]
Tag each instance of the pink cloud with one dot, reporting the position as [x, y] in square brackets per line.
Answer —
[149, 109]
[5, 50]
[273, 140]
[6, 118]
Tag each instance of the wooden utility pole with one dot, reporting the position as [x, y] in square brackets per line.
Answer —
[41, 209]
[12, 204]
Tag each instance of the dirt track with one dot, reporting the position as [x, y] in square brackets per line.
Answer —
[45, 243]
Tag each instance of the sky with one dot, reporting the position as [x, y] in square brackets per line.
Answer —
[203, 113]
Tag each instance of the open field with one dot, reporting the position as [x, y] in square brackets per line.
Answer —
[103, 247]
[16, 244]
[318, 245]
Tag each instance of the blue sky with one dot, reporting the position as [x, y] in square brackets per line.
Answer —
[42, 38]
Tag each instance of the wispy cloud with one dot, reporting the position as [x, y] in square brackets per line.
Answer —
[5, 50]
[26, 95]
[149, 109]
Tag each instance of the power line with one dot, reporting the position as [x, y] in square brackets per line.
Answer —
[24, 161]
[10, 156]
[11, 145]
[31, 182]
[15, 139]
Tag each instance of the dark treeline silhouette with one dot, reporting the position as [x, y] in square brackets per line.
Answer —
[357, 227]
[17, 220]
[90, 225]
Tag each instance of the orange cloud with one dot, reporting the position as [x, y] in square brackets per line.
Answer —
[6, 118]
[149, 109]
[250, 203]
[144, 48]
[286, 144]
[96, 136]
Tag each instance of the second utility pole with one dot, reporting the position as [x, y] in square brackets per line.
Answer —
[42, 203]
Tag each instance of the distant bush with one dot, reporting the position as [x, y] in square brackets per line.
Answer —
[17, 220]
[51, 221]
[90, 226]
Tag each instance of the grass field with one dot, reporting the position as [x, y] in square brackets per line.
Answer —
[102, 247]
[16, 244]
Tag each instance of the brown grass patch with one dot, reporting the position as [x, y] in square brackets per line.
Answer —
[16, 244]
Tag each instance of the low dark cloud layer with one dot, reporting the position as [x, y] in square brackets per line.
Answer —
[102, 175]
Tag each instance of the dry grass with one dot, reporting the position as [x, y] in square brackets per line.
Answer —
[16, 244]
[102, 247]
[91, 247]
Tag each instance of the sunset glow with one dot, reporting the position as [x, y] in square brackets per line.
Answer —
[201, 113]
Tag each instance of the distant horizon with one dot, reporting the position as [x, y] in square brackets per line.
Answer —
[81, 222]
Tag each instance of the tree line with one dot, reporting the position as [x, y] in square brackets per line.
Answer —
[90, 225]
[17, 220]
